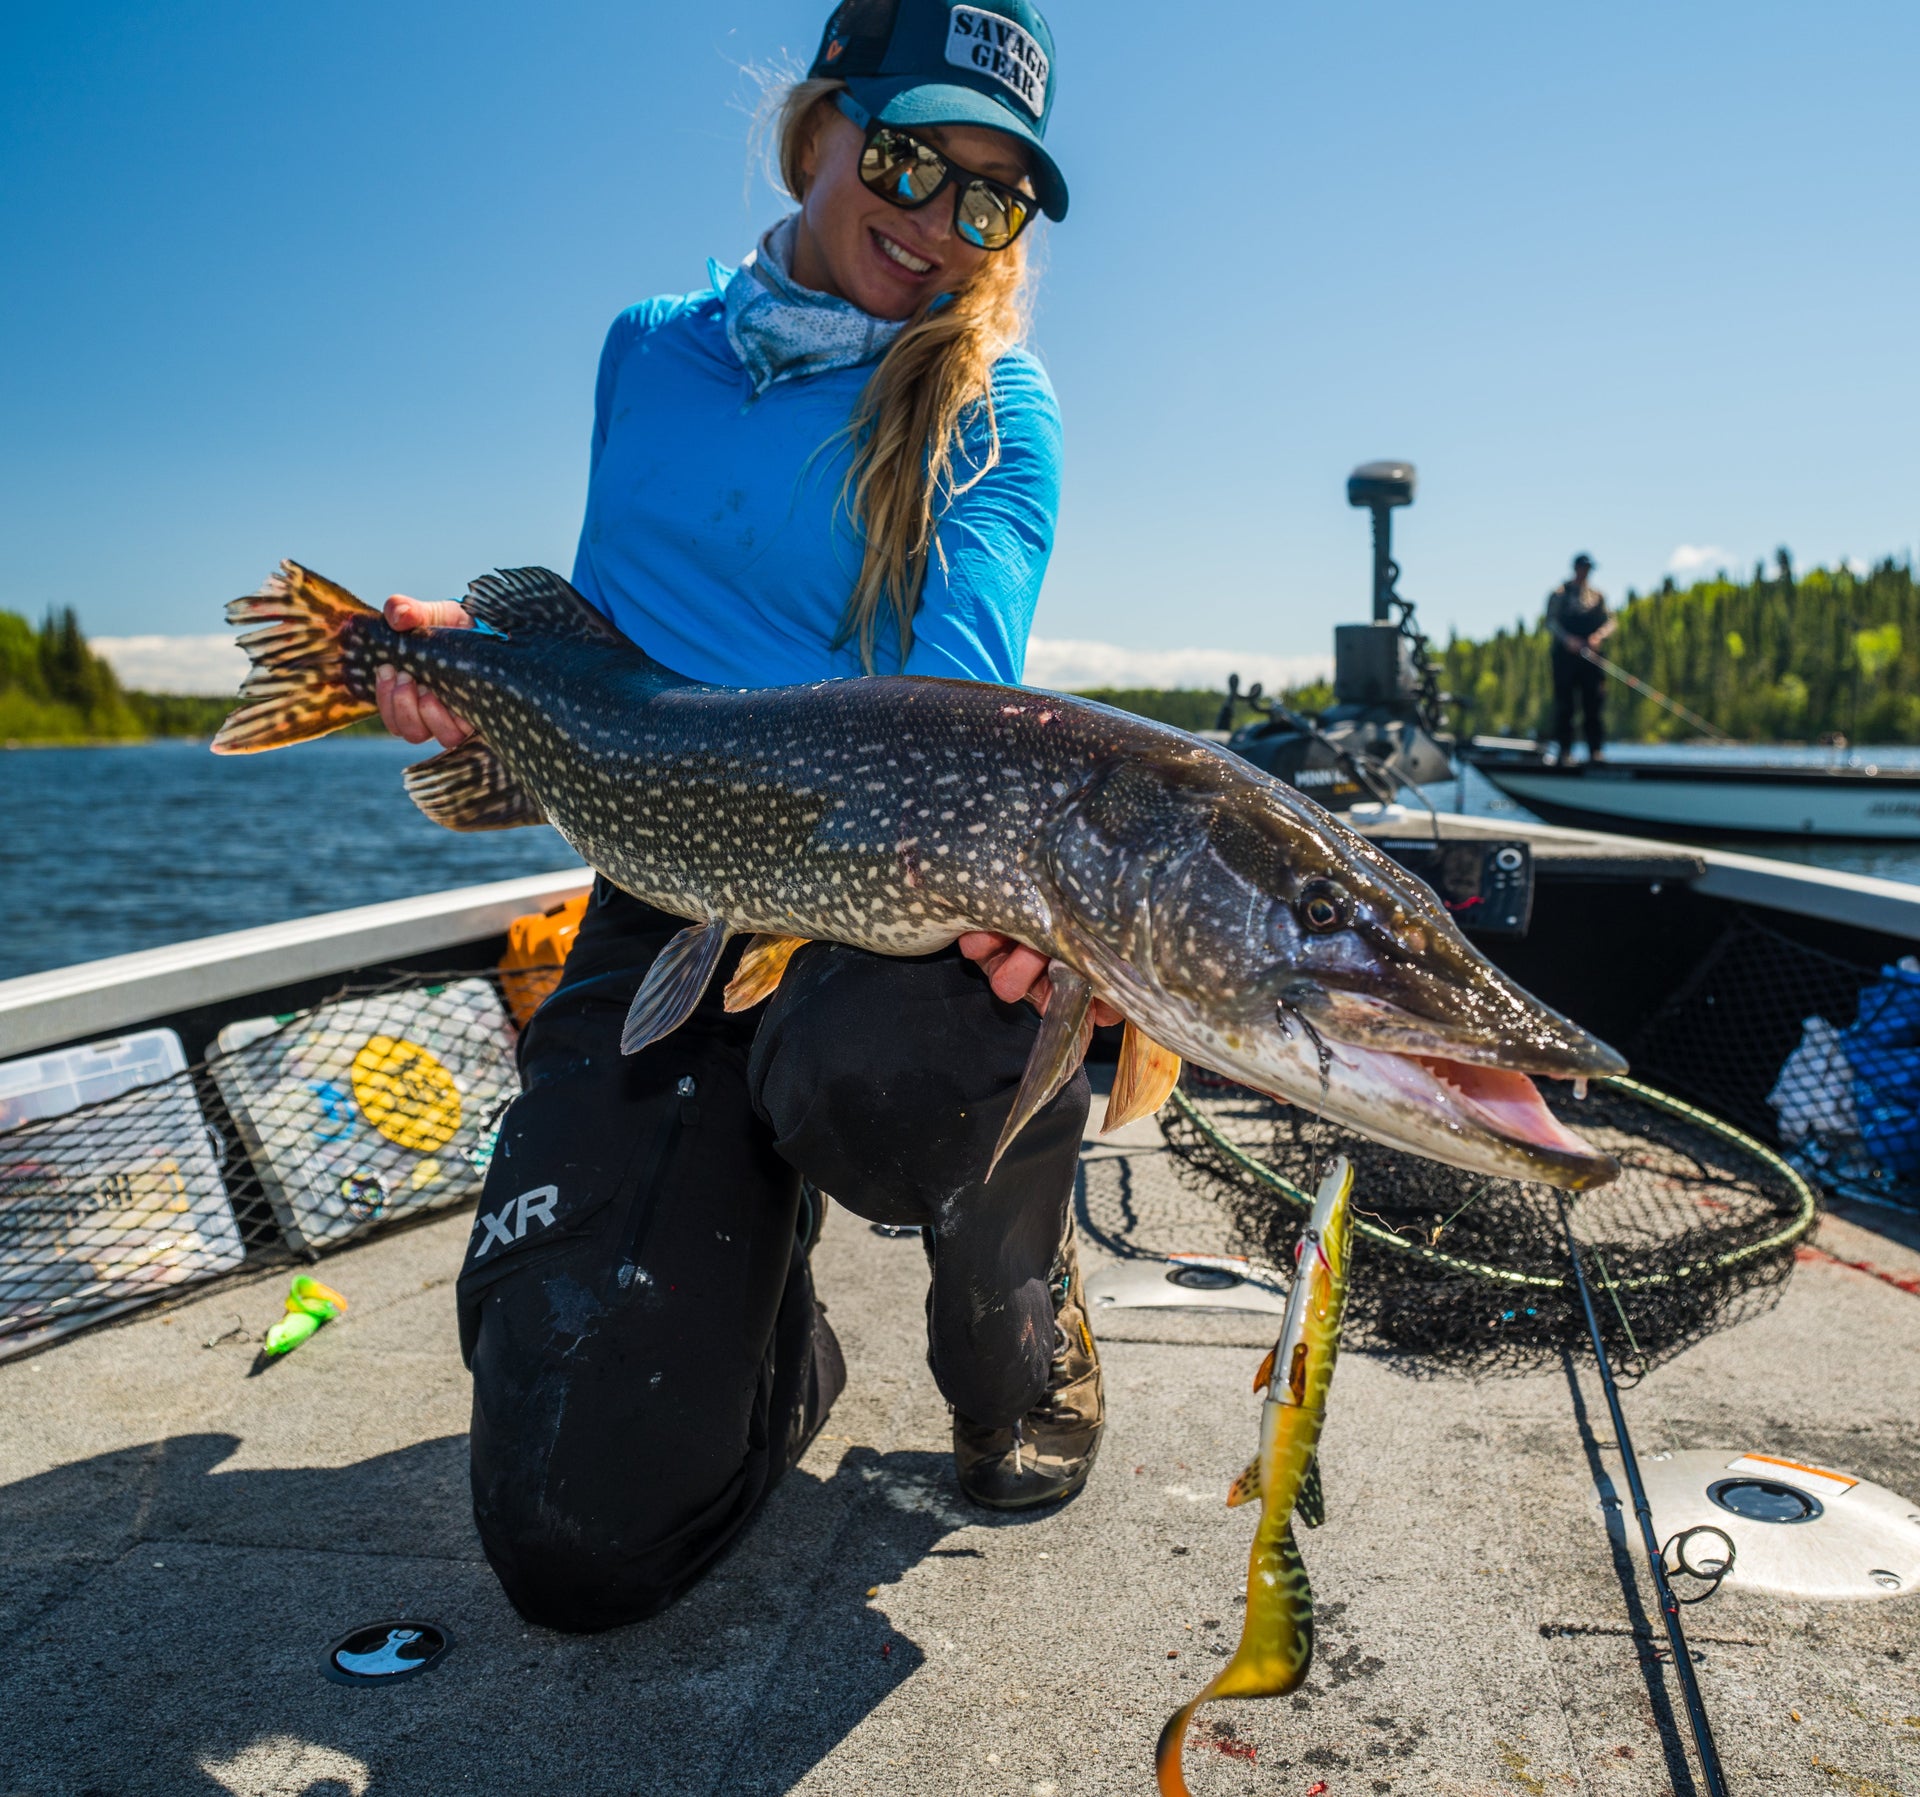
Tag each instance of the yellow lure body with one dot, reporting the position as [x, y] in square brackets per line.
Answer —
[1276, 1640]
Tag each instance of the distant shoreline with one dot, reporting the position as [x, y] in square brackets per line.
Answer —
[365, 727]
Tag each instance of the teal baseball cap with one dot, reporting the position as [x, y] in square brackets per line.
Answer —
[945, 62]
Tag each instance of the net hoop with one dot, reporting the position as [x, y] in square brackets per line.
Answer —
[1790, 1234]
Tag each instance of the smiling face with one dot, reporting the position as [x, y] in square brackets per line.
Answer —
[888, 261]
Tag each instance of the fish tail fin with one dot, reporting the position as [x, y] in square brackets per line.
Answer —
[1168, 1775]
[313, 662]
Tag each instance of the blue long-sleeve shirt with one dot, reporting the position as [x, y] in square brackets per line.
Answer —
[717, 539]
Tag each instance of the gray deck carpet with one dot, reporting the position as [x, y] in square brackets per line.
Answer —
[179, 1542]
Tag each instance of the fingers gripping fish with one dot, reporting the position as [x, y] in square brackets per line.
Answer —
[1228, 918]
[1276, 1640]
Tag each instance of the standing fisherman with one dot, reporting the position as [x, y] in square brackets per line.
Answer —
[1578, 619]
[836, 459]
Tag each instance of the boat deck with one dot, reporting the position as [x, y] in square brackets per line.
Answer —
[179, 1542]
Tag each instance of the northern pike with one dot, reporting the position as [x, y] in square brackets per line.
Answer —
[1276, 1640]
[1226, 916]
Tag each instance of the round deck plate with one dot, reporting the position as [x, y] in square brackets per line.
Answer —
[1186, 1282]
[382, 1653]
[1853, 1540]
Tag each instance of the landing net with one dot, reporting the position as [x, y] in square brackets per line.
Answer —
[1698, 1232]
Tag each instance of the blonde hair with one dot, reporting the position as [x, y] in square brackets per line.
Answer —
[906, 427]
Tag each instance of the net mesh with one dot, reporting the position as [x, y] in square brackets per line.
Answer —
[124, 1172]
[1454, 1268]
[1814, 1053]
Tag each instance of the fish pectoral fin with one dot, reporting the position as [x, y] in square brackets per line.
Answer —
[673, 985]
[1057, 1051]
[1246, 1488]
[469, 788]
[1264, 1377]
[1146, 1075]
[761, 970]
[536, 602]
[1311, 1505]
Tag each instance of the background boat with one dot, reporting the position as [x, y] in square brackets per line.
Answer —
[1706, 794]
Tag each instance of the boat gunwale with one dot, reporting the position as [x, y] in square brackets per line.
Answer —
[93, 999]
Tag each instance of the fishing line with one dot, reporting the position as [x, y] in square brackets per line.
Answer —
[1703, 1742]
[1589, 653]
[1613, 1293]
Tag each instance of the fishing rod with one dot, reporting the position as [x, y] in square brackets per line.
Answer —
[1703, 1742]
[1589, 653]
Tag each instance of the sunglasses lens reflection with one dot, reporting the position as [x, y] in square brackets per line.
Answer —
[990, 218]
[900, 168]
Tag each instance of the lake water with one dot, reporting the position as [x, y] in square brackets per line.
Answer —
[103, 851]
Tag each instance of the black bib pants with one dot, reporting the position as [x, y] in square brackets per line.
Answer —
[635, 1304]
[1577, 679]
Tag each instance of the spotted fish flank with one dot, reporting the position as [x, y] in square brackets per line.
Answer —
[1276, 1639]
[1228, 918]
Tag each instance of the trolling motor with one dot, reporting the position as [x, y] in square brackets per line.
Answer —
[1384, 728]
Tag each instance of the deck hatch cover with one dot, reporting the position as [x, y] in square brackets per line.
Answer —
[1765, 1500]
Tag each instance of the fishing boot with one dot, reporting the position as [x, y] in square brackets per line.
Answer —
[1048, 1453]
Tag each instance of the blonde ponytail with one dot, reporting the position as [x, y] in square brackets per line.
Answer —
[905, 429]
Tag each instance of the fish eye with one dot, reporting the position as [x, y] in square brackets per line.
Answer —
[1325, 905]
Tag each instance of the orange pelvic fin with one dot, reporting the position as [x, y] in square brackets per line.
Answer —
[761, 969]
[1264, 1378]
[1146, 1074]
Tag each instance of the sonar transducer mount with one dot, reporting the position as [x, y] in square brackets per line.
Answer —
[1384, 728]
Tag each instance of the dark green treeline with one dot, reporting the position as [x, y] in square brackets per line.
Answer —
[1782, 657]
[55, 689]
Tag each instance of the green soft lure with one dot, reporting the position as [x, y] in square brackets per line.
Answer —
[1276, 1641]
[309, 1304]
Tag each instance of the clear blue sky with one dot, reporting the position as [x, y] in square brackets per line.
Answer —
[330, 282]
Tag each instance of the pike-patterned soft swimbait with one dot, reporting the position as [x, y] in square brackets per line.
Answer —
[1228, 918]
[1276, 1640]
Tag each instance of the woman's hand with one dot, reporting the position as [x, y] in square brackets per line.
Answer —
[1016, 972]
[410, 710]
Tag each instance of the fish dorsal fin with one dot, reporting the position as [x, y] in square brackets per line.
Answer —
[673, 985]
[761, 970]
[1247, 1487]
[469, 788]
[535, 602]
[1141, 1083]
[1311, 1505]
[1057, 1051]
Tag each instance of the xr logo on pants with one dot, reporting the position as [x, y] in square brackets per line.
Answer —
[509, 1222]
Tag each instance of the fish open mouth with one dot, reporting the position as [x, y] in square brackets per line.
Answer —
[1490, 1102]
[1510, 1104]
